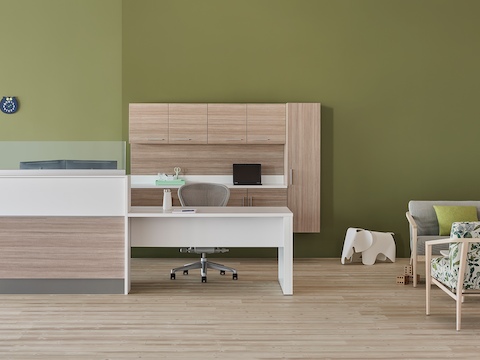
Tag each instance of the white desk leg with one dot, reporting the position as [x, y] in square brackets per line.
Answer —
[285, 258]
[128, 255]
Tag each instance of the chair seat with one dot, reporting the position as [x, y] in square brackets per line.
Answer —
[436, 248]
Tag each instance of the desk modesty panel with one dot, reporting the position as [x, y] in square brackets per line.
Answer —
[218, 226]
[63, 231]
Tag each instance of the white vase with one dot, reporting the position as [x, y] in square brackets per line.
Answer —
[167, 200]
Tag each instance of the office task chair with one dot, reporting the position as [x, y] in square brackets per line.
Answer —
[457, 271]
[203, 194]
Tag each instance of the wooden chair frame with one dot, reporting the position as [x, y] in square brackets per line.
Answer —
[459, 293]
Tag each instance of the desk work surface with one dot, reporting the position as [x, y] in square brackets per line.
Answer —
[211, 211]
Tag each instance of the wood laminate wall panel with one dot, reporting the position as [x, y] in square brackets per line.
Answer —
[204, 159]
[187, 123]
[151, 197]
[62, 247]
[148, 123]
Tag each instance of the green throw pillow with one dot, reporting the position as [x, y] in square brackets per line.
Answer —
[447, 215]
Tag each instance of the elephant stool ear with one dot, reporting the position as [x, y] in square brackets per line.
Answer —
[347, 252]
[363, 240]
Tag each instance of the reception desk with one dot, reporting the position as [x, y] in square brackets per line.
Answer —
[71, 231]
[63, 231]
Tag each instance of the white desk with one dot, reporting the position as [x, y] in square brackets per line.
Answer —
[218, 227]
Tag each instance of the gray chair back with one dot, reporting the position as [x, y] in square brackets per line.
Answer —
[203, 194]
[426, 217]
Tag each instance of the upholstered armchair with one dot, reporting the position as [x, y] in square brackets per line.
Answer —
[457, 271]
[425, 225]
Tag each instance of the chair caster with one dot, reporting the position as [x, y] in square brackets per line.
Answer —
[185, 272]
[235, 276]
[222, 272]
[204, 279]
[172, 276]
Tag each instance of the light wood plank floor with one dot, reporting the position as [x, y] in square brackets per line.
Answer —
[337, 312]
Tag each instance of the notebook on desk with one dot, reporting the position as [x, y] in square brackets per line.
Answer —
[247, 174]
[184, 211]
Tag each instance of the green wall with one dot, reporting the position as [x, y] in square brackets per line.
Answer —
[398, 81]
[63, 60]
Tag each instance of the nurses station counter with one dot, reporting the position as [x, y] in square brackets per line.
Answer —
[63, 231]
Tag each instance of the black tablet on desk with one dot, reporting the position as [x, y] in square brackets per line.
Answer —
[247, 174]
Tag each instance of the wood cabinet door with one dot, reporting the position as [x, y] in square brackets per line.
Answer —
[187, 123]
[227, 124]
[238, 197]
[304, 165]
[266, 123]
[267, 197]
[148, 123]
[258, 197]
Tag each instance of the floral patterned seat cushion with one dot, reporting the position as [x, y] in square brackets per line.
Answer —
[445, 269]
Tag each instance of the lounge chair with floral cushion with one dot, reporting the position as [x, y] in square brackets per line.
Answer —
[457, 272]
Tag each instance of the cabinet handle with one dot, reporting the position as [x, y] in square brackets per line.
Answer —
[250, 201]
[182, 139]
[234, 139]
[290, 177]
[155, 139]
[243, 201]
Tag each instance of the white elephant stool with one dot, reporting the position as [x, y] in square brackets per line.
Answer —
[373, 245]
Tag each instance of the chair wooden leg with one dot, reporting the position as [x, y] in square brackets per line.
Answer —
[459, 310]
[428, 280]
[413, 262]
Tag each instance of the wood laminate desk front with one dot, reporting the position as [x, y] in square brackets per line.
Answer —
[150, 226]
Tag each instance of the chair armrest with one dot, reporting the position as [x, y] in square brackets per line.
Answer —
[451, 240]
[430, 243]
[411, 221]
[413, 242]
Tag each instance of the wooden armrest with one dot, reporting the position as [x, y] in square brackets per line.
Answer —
[451, 240]
[411, 220]
[430, 243]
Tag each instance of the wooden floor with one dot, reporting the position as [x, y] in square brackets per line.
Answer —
[337, 312]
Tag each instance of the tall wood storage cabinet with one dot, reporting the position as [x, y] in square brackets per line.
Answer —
[303, 165]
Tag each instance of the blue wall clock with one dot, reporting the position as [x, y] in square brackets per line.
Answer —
[9, 104]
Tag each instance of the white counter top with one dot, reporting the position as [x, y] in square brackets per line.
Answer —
[61, 173]
[148, 181]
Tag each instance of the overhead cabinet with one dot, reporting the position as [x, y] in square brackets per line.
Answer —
[227, 123]
[266, 123]
[207, 123]
[148, 123]
[187, 123]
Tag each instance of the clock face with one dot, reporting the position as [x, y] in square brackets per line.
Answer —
[9, 104]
